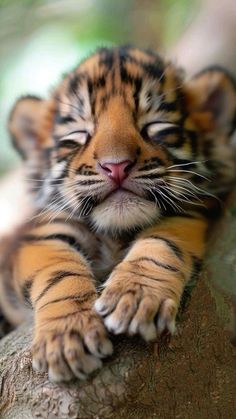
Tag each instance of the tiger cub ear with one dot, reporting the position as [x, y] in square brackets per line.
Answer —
[30, 125]
[211, 100]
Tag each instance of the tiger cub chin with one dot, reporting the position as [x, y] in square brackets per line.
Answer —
[125, 162]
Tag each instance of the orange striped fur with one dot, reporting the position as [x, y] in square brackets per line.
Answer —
[125, 163]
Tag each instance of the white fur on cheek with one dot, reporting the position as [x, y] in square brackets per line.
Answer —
[58, 169]
[124, 211]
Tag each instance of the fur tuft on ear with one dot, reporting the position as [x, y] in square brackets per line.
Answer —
[211, 100]
[30, 124]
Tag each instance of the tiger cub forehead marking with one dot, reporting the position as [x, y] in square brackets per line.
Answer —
[148, 88]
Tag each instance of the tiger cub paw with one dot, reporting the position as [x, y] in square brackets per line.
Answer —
[70, 347]
[134, 307]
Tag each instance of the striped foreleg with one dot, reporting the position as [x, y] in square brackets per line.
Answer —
[51, 273]
[143, 293]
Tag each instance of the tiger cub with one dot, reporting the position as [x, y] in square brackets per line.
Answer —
[125, 161]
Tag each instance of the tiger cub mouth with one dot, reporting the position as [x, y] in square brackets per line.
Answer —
[120, 194]
[123, 210]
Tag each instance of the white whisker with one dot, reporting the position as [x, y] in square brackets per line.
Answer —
[182, 188]
[190, 171]
[187, 164]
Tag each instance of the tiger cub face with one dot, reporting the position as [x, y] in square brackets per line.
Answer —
[125, 139]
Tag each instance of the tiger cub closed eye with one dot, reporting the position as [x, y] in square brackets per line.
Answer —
[126, 159]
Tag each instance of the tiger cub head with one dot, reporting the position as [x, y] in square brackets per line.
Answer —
[125, 138]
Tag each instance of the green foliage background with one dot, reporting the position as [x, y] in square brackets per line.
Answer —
[42, 39]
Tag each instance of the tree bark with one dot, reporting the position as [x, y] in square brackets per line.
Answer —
[191, 376]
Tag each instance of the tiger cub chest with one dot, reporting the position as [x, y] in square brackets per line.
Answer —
[109, 253]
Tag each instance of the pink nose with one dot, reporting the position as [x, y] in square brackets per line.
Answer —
[118, 172]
